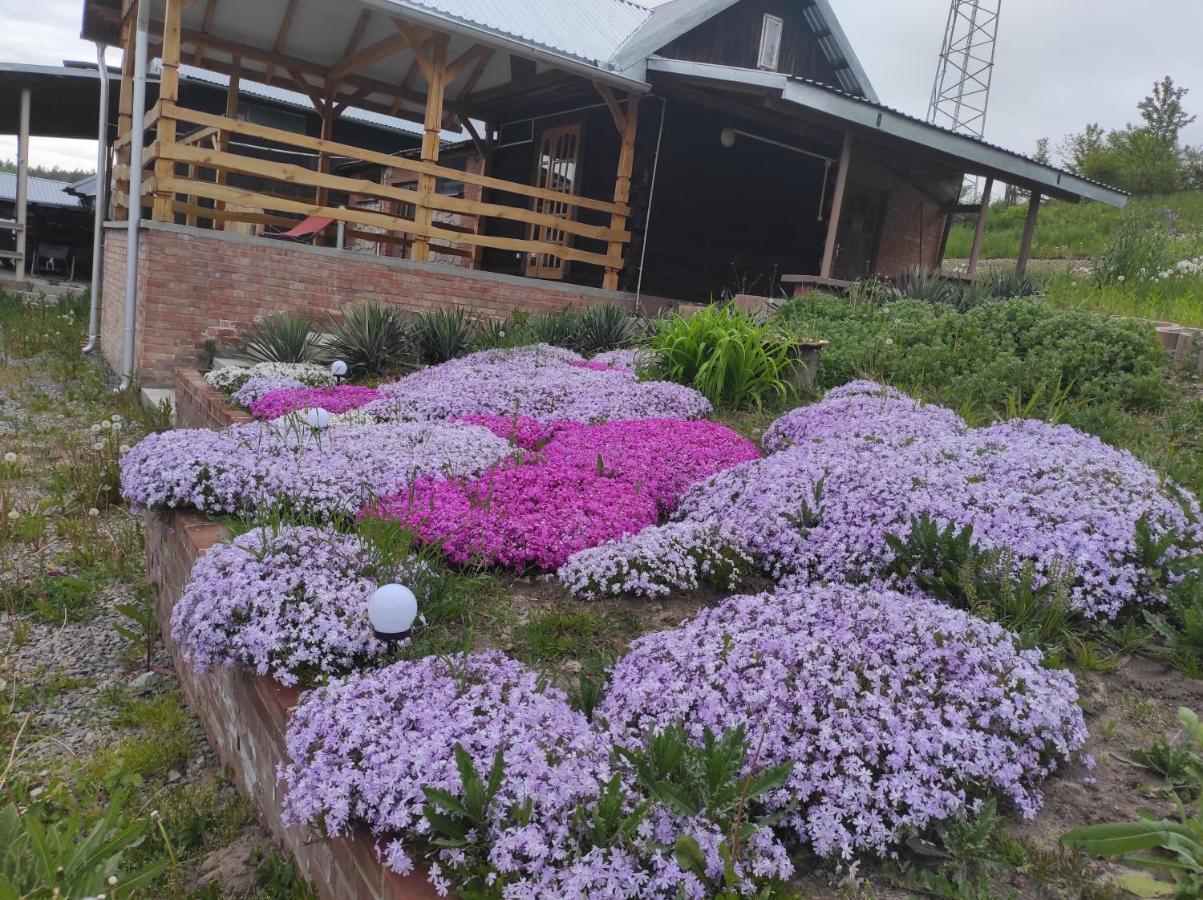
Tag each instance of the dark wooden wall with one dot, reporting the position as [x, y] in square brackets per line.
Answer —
[732, 38]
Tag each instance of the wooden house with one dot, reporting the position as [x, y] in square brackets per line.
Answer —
[610, 152]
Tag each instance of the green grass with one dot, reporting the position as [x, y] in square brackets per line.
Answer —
[1179, 301]
[1068, 230]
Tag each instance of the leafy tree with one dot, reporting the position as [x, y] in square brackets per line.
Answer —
[1042, 152]
[1135, 160]
[1192, 168]
[1163, 111]
[1077, 148]
[54, 173]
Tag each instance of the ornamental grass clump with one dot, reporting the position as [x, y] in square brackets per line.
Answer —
[584, 485]
[540, 382]
[290, 602]
[251, 468]
[894, 711]
[340, 399]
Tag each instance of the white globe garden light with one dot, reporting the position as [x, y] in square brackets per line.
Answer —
[338, 368]
[316, 417]
[392, 609]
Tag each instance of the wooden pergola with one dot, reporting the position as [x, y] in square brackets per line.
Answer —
[386, 63]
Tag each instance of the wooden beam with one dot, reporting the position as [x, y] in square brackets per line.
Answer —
[474, 76]
[837, 208]
[281, 37]
[369, 55]
[979, 232]
[1029, 232]
[169, 92]
[206, 25]
[473, 54]
[223, 136]
[125, 115]
[291, 173]
[388, 160]
[436, 80]
[622, 190]
[417, 43]
[616, 113]
[361, 25]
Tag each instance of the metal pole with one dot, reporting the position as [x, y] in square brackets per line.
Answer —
[102, 182]
[651, 196]
[23, 185]
[135, 191]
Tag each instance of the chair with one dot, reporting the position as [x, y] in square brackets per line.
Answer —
[54, 261]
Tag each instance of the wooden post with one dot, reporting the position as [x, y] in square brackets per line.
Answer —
[622, 188]
[837, 208]
[169, 93]
[1029, 232]
[222, 176]
[23, 185]
[949, 220]
[125, 117]
[979, 233]
[436, 80]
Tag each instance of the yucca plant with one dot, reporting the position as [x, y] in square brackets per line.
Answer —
[930, 287]
[561, 330]
[722, 352]
[282, 339]
[442, 335]
[603, 328]
[372, 339]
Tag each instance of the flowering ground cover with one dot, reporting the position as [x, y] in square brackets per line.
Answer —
[340, 399]
[288, 602]
[1051, 495]
[540, 382]
[583, 486]
[259, 467]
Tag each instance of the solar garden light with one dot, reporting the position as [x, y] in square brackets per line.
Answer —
[338, 369]
[392, 609]
[316, 418]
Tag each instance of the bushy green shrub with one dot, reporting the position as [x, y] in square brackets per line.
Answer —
[282, 339]
[604, 328]
[1139, 248]
[989, 360]
[725, 354]
[371, 339]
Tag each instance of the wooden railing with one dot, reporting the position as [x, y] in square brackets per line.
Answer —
[198, 153]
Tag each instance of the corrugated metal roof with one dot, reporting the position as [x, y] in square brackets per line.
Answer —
[589, 30]
[42, 191]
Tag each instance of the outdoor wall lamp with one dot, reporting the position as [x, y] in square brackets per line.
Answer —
[392, 609]
[728, 136]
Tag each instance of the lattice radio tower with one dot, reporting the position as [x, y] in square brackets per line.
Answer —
[961, 95]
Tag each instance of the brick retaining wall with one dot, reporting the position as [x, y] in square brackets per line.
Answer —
[245, 717]
[197, 285]
[199, 406]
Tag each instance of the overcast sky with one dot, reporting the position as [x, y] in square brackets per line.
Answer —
[1061, 63]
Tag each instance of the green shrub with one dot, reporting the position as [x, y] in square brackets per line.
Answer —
[988, 360]
[512, 331]
[443, 334]
[928, 286]
[725, 354]
[1139, 248]
[603, 328]
[561, 330]
[282, 339]
[372, 339]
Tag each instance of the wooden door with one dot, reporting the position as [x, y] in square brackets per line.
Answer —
[860, 233]
[557, 168]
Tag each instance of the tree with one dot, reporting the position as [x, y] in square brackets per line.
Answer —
[54, 173]
[1078, 147]
[1134, 160]
[1042, 152]
[1192, 168]
[1163, 111]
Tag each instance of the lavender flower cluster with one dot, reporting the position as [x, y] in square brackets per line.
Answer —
[231, 378]
[863, 411]
[291, 603]
[1052, 495]
[680, 556]
[259, 466]
[896, 712]
[539, 382]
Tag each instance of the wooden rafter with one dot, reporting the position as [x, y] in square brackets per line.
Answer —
[616, 112]
[281, 37]
[417, 43]
[473, 54]
[369, 55]
[206, 26]
[361, 25]
[474, 75]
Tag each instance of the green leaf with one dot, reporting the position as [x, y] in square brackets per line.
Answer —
[690, 857]
[1144, 886]
[1119, 838]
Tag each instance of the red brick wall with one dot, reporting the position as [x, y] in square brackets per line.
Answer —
[914, 225]
[199, 406]
[198, 285]
[246, 716]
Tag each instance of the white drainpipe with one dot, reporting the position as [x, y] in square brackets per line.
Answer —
[135, 192]
[102, 161]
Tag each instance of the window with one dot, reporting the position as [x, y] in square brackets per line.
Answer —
[770, 43]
